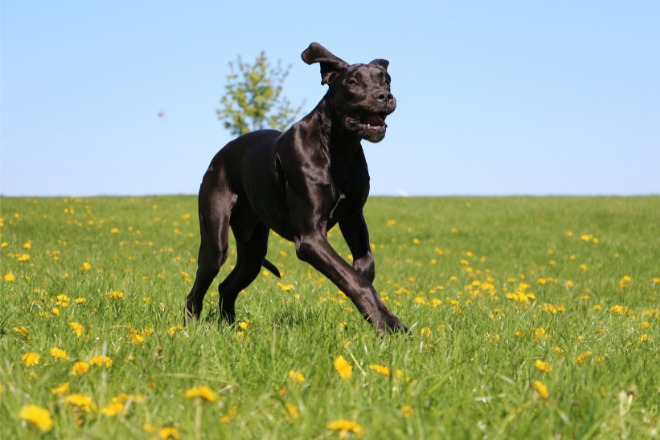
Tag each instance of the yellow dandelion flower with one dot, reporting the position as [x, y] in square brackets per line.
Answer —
[549, 308]
[118, 404]
[23, 257]
[77, 328]
[101, 361]
[296, 376]
[62, 300]
[37, 416]
[62, 388]
[285, 287]
[31, 358]
[169, 433]
[292, 411]
[407, 410]
[652, 312]
[521, 296]
[345, 427]
[644, 338]
[582, 357]
[172, 331]
[203, 392]
[58, 353]
[115, 294]
[80, 402]
[380, 369]
[9, 277]
[113, 408]
[426, 331]
[86, 266]
[620, 310]
[138, 336]
[80, 368]
[343, 367]
[229, 416]
[539, 333]
[543, 366]
[542, 389]
[624, 281]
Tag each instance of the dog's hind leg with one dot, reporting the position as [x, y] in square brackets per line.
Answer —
[250, 257]
[215, 204]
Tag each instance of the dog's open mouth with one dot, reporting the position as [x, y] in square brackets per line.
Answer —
[369, 122]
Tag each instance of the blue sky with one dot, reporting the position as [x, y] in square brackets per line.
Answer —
[494, 98]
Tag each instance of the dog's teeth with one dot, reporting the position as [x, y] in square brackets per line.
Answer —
[374, 121]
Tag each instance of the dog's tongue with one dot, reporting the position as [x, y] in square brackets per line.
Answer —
[374, 121]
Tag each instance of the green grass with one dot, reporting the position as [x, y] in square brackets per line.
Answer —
[489, 286]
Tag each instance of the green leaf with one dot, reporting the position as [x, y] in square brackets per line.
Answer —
[253, 99]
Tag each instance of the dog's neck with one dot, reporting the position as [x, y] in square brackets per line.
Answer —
[341, 143]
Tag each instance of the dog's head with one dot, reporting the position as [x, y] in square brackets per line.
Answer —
[360, 92]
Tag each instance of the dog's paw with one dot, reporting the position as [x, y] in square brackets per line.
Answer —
[391, 325]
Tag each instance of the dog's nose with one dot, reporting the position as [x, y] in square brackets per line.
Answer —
[383, 96]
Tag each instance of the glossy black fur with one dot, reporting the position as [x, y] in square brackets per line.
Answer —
[300, 183]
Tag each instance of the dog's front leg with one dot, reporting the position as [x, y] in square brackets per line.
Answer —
[314, 249]
[354, 230]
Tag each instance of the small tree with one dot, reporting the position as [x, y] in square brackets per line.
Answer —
[253, 98]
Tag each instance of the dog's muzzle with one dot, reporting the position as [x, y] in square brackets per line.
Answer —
[370, 124]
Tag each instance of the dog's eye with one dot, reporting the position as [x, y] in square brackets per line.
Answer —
[352, 82]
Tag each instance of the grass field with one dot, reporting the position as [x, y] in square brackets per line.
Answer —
[530, 318]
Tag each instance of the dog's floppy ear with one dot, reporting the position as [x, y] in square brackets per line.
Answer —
[380, 62]
[330, 64]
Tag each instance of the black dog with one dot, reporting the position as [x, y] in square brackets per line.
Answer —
[300, 183]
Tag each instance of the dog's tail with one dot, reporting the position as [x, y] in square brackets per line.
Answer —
[271, 267]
